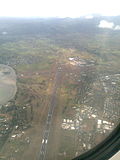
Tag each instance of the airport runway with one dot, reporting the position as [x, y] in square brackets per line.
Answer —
[52, 105]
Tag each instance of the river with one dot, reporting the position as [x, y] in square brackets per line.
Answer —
[8, 86]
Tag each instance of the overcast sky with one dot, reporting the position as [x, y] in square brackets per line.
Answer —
[59, 8]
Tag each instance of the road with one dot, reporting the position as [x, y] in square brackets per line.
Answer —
[52, 105]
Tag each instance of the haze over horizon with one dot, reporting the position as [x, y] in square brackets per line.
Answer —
[58, 8]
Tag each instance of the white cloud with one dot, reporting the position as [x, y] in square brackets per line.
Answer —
[89, 17]
[109, 25]
[61, 8]
[117, 27]
[106, 24]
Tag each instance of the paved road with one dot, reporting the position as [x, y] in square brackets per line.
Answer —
[53, 104]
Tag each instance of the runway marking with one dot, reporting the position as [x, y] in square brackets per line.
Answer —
[53, 104]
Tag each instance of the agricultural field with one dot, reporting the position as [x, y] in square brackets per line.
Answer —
[67, 97]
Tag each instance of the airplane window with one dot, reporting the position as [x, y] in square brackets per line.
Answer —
[59, 78]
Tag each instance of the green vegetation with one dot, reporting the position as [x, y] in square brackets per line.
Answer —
[35, 48]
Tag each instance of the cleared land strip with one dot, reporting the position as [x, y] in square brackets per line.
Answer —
[53, 104]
